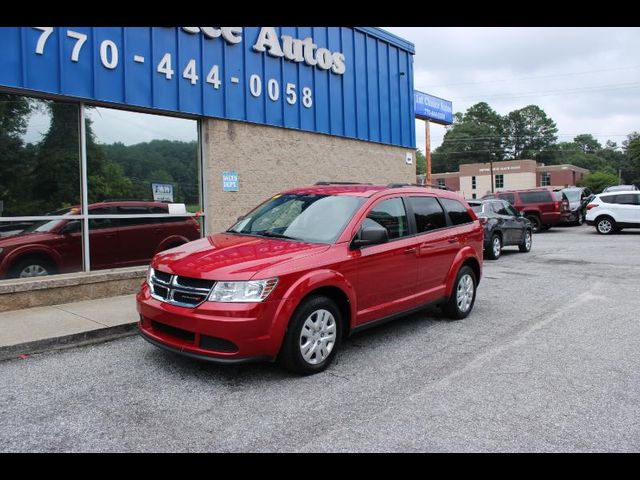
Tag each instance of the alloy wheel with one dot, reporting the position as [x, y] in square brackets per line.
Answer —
[33, 271]
[465, 291]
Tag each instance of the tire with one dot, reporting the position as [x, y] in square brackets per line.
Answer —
[316, 320]
[525, 245]
[32, 267]
[465, 283]
[605, 225]
[536, 224]
[495, 247]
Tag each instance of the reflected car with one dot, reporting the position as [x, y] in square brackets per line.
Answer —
[578, 198]
[55, 246]
[503, 226]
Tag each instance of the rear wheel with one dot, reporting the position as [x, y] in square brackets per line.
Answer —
[495, 247]
[605, 225]
[313, 336]
[32, 267]
[463, 296]
[525, 246]
[536, 224]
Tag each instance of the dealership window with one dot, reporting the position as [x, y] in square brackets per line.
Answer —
[136, 165]
[545, 179]
[500, 181]
[473, 182]
[441, 182]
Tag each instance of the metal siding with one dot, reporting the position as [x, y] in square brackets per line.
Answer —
[272, 71]
[369, 101]
[290, 75]
[10, 60]
[321, 100]
[335, 85]
[372, 89]
[307, 115]
[394, 94]
[383, 93]
[349, 85]
[138, 76]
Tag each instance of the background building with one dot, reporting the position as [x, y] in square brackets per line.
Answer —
[474, 179]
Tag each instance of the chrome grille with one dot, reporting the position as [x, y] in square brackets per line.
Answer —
[181, 291]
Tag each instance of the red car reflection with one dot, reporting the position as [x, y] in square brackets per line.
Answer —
[55, 246]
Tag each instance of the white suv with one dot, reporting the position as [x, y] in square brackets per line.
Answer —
[613, 211]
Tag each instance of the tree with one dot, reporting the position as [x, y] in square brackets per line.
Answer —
[587, 143]
[421, 163]
[528, 131]
[476, 136]
[631, 169]
[598, 181]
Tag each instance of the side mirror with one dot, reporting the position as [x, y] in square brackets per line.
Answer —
[71, 227]
[371, 235]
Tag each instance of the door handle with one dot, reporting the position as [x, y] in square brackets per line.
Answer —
[453, 240]
[409, 251]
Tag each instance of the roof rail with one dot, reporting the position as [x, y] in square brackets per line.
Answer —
[324, 182]
[425, 185]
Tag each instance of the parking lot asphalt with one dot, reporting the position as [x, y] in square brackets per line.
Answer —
[548, 361]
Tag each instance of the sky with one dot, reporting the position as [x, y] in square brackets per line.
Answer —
[586, 79]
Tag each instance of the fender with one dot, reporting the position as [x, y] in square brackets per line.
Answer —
[23, 250]
[171, 240]
[462, 256]
[300, 289]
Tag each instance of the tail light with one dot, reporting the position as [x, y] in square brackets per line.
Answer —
[483, 220]
[556, 205]
[592, 205]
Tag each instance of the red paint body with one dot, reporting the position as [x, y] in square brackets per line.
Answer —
[379, 280]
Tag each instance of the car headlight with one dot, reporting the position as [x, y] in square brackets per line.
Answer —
[250, 291]
[150, 273]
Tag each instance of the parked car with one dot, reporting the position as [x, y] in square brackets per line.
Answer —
[309, 267]
[620, 188]
[503, 226]
[543, 207]
[611, 212]
[55, 246]
[577, 197]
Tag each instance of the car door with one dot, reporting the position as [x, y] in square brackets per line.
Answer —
[511, 229]
[386, 273]
[104, 248]
[626, 206]
[436, 246]
[518, 222]
[138, 236]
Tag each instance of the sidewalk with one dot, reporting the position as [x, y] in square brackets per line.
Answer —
[54, 327]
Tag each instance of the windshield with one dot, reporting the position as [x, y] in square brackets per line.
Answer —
[48, 225]
[477, 208]
[558, 196]
[573, 195]
[305, 217]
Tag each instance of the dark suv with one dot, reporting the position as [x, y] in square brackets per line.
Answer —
[55, 246]
[543, 207]
[309, 267]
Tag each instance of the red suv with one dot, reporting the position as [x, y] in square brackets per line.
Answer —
[55, 246]
[543, 207]
[309, 267]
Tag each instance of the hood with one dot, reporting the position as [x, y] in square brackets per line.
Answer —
[26, 239]
[231, 257]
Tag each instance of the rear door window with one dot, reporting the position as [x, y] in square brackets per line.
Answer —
[457, 212]
[428, 213]
[509, 197]
[536, 197]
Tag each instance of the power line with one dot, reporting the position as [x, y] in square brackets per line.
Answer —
[538, 76]
[549, 93]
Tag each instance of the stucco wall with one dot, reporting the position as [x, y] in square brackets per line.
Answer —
[269, 160]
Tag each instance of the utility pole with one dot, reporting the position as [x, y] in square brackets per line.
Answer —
[427, 152]
[491, 168]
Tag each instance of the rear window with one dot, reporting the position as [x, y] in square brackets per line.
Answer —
[457, 212]
[623, 199]
[536, 197]
[476, 208]
[509, 197]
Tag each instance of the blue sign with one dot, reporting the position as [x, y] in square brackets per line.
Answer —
[353, 82]
[162, 192]
[230, 181]
[434, 109]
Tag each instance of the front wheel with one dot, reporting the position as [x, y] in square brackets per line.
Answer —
[463, 296]
[525, 246]
[536, 224]
[313, 336]
[32, 267]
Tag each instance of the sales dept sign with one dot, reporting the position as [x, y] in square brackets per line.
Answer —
[230, 181]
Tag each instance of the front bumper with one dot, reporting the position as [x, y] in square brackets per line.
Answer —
[217, 332]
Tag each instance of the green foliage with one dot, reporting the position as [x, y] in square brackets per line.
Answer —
[598, 181]
[528, 131]
[421, 163]
[631, 162]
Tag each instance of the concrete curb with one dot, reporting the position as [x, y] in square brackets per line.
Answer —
[68, 341]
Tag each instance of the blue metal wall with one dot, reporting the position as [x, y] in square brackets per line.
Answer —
[372, 100]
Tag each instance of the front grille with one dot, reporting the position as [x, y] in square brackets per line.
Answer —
[173, 331]
[217, 344]
[181, 291]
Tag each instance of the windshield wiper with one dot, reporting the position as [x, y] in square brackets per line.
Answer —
[267, 233]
